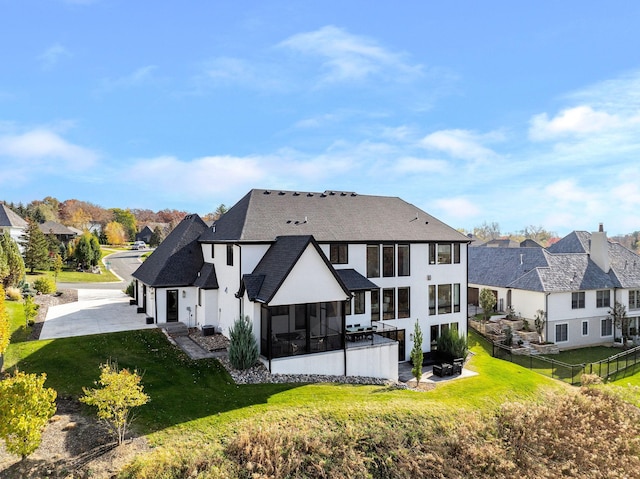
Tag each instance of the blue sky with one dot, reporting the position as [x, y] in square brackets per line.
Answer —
[522, 113]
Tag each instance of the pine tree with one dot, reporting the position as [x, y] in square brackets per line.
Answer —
[36, 253]
[243, 349]
[11, 255]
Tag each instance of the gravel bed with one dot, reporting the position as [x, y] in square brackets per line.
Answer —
[259, 374]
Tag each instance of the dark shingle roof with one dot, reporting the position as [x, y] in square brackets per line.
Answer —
[276, 264]
[51, 227]
[9, 218]
[564, 266]
[207, 278]
[178, 259]
[263, 215]
[354, 281]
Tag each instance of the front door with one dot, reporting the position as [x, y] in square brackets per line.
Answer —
[172, 306]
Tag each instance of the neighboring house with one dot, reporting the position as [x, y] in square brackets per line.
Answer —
[11, 223]
[310, 270]
[60, 231]
[146, 233]
[575, 281]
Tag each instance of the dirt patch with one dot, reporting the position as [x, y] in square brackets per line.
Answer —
[73, 446]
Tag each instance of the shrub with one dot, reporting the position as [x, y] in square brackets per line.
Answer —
[13, 293]
[44, 285]
[243, 349]
[30, 310]
[451, 345]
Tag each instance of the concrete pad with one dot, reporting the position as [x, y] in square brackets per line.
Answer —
[97, 311]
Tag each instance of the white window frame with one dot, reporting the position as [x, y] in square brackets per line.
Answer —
[602, 321]
[582, 328]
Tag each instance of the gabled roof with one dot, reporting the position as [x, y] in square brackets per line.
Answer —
[354, 281]
[564, 266]
[207, 278]
[51, 227]
[263, 215]
[178, 259]
[9, 218]
[276, 264]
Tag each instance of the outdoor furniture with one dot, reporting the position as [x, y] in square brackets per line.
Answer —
[442, 370]
[457, 365]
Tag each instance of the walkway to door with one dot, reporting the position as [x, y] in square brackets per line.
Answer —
[97, 311]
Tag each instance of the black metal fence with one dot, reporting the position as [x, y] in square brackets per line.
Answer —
[623, 364]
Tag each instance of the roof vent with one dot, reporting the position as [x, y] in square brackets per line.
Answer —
[600, 227]
[309, 194]
[323, 195]
[295, 193]
[282, 193]
[266, 192]
[343, 194]
[288, 222]
[354, 194]
[332, 193]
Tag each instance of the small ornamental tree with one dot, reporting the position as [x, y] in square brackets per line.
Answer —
[539, 322]
[56, 266]
[25, 408]
[416, 353]
[30, 309]
[487, 302]
[243, 349]
[118, 393]
[619, 318]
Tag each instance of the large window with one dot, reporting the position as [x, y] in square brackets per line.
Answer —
[373, 261]
[388, 303]
[634, 299]
[403, 260]
[444, 298]
[339, 253]
[404, 307]
[606, 327]
[388, 261]
[456, 298]
[444, 254]
[562, 333]
[577, 300]
[603, 298]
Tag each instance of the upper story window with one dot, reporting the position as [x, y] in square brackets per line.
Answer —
[388, 261]
[229, 255]
[339, 253]
[603, 298]
[389, 303]
[404, 303]
[577, 300]
[634, 299]
[358, 302]
[444, 253]
[373, 261]
[403, 260]
[213, 250]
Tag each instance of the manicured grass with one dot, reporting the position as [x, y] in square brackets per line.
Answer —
[17, 325]
[585, 355]
[199, 397]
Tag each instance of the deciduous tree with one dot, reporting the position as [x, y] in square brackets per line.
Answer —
[127, 220]
[619, 318]
[4, 326]
[118, 392]
[25, 408]
[487, 302]
[115, 233]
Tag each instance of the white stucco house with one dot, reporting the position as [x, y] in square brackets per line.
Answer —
[11, 223]
[575, 281]
[333, 282]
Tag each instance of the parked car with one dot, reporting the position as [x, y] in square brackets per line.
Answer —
[139, 245]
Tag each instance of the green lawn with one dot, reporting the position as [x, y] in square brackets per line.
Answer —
[585, 355]
[70, 275]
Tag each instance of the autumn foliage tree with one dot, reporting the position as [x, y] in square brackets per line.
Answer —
[25, 408]
[115, 233]
[118, 392]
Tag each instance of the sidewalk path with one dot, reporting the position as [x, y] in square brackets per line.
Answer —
[95, 312]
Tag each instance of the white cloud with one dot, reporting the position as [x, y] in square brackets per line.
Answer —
[579, 120]
[138, 77]
[45, 147]
[462, 144]
[457, 208]
[409, 165]
[52, 55]
[350, 57]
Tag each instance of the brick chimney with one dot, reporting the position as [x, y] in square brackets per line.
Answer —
[599, 249]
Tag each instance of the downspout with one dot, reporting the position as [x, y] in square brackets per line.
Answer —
[546, 312]
[241, 300]
[155, 304]
[344, 339]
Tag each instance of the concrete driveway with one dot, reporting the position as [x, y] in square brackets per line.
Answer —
[97, 311]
